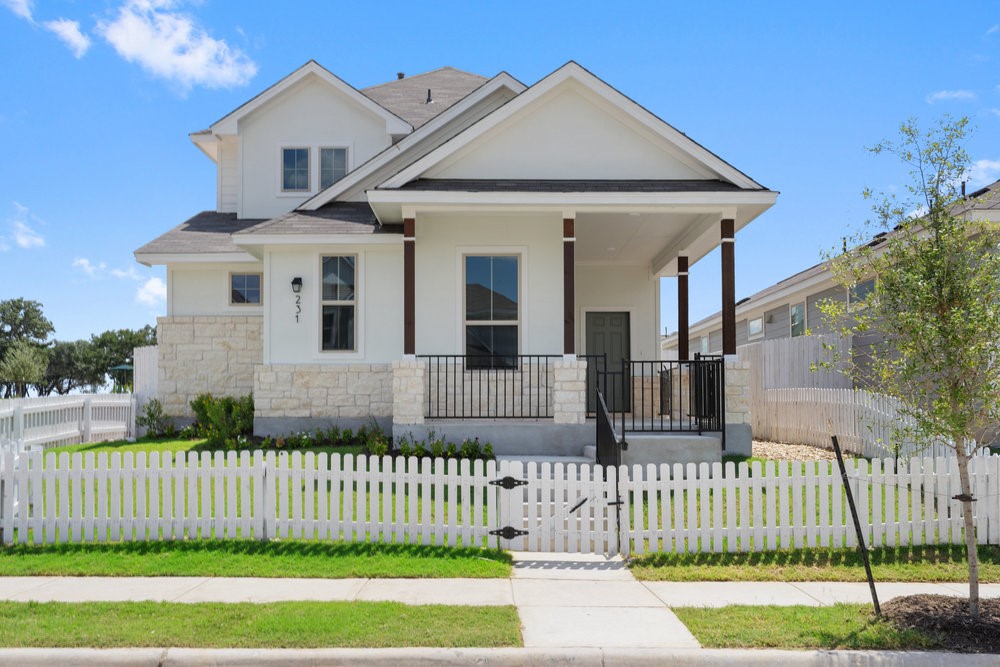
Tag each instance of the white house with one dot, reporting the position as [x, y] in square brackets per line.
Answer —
[457, 253]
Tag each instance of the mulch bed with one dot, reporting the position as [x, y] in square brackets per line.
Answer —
[947, 619]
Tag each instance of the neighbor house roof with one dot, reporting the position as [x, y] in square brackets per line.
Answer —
[207, 234]
[408, 97]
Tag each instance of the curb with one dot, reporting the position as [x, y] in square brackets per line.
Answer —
[551, 657]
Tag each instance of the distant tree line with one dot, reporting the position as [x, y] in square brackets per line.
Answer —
[29, 361]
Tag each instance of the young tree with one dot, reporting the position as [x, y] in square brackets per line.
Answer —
[23, 364]
[934, 312]
[21, 320]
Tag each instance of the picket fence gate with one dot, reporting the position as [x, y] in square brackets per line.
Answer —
[47, 499]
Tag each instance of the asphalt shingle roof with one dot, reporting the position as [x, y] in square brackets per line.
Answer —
[407, 97]
[206, 232]
[334, 218]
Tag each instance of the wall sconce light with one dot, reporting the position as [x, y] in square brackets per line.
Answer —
[296, 284]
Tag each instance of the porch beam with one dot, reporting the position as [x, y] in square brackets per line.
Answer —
[569, 286]
[683, 332]
[409, 294]
[728, 287]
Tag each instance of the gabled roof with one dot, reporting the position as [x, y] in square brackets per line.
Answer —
[227, 124]
[686, 148]
[336, 218]
[414, 145]
[408, 97]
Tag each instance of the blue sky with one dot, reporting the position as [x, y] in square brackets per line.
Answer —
[97, 99]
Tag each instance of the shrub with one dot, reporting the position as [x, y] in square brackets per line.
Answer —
[225, 422]
[154, 421]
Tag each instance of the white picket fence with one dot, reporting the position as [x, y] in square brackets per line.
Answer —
[162, 496]
[862, 420]
[49, 421]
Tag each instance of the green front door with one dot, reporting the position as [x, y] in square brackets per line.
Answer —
[608, 334]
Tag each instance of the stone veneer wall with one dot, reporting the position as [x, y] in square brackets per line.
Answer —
[570, 391]
[326, 391]
[739, 438]
[206, 354]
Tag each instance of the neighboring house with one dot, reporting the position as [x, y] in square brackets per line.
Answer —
[791, 307]
[443, 248]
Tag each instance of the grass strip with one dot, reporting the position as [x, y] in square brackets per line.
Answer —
[149, 445]
[248, 625]
[249, 558]
[842, 626]
[911, 564]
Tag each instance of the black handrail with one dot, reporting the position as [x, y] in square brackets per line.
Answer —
[609, 448]
[461, 386]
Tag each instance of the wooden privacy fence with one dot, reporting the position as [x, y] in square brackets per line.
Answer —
[65, 420]
[863, 421]
[46, 498]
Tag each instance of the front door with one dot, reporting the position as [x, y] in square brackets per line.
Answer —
[608, 334]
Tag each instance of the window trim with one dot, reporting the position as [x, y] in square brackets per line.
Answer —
[236, 304]
[281, 169]
[319, 166]
[791, 319]
[759, 334]
[521, 253]
[356, 350]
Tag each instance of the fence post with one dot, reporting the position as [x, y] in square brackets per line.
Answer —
[86, 419]
[130, 428]
[17, 434]
[269, 499]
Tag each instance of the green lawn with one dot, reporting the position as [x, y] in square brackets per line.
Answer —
[842, 626]
[149, 444]
[928, 563]
[248, 625]
[235, 558]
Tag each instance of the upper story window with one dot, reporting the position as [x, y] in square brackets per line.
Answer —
[755, 328]
[492, 310]
[858, 293]
[244, 289]
[295, 169]
[338, 303]
[332, 166]
[797, 315]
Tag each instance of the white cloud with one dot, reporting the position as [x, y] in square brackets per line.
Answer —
[24, 236]
[983, 172]
[92, 270]
[152, 292]
[170, 44]
[20, 7]
[993, 29]
[69, 34]
[950, 95]
[995, 112]
[129, 273]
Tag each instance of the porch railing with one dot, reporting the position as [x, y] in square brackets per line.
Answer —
[463, 386]
[667, 396]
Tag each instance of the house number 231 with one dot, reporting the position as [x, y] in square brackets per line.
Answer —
[298, 306]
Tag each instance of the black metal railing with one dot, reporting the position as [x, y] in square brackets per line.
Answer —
[666, 396]
[609, 447]
[463, 386]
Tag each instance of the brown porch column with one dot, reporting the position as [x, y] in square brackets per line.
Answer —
[409, 300]
[728, 287]
[569, 286]
[683, 350]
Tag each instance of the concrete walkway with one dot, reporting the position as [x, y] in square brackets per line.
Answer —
[564, 600]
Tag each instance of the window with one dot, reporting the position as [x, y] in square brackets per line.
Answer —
[332, 166]
[755, 328]
[338, 301]
[295, 169]
[492, 314]
[798, 319]
[860, 292]
[244, 288]
[704, 345]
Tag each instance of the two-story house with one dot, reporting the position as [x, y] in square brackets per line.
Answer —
[451, 252]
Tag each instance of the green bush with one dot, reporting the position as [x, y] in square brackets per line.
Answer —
[154, 421]
[225, 422]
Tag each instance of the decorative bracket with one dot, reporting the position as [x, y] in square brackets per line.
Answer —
[509, 482]
[508, 532]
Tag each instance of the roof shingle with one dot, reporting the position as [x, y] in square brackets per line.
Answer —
[407, 97]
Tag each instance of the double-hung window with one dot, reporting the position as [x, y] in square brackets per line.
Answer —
[339, 303]
[797, 315]
[295, 169]
[332, 166]
[244, 288]
[492, 310]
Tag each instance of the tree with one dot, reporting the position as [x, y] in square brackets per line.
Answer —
[21, 320]
[72, 365]
[23, 364]
[116, 347]
[934, 311]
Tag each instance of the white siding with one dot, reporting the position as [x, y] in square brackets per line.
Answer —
[229, 177]
[624, 288]
[312, 115]
[593, 141]
[203, 289]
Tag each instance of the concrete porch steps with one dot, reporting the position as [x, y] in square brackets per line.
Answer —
[539, 459]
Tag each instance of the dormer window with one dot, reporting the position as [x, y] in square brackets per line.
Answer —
[332, 166]
[295, 169]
